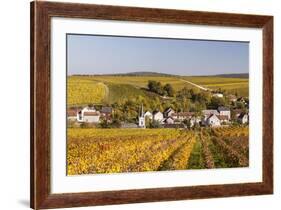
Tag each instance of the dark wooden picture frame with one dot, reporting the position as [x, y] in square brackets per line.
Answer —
[41, 14]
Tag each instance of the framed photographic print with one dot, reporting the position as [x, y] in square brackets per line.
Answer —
[136, 105]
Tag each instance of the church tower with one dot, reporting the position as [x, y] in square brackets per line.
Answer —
[141, 118]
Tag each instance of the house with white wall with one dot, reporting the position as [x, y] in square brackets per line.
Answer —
[168, 112]
[169, 120]
[91, 117]
[88, 114]
[158, 116]
[148, 115]
[213, 121]
[224, 111]
[181, 116]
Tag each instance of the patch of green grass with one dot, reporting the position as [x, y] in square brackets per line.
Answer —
[118, 92]
[196, 159]
[218, 156]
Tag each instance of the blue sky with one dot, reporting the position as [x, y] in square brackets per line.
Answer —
[89, 54]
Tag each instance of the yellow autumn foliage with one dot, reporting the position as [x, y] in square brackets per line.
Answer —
[82, 91]
[125, 150]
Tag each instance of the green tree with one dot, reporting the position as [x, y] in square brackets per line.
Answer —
[169, 89]
[216, 102]
[155, 124]
[115, 123]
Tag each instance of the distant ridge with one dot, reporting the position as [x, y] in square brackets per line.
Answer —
[240, 75]
[148, 73]
[156, 74]
[140, 73]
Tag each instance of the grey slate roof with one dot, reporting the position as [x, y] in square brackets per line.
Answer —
[222, 108]
[106, 110]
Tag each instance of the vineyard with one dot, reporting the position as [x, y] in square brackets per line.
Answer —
[81, 91]
[92, 151]
[84, 90]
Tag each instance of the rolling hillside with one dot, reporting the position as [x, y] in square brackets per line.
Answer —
[83, 90]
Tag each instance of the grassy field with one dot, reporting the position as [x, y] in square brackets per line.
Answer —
[137, 150]
[83, 90]
[230, 85]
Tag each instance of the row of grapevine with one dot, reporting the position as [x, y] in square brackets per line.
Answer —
[133, 151]
[137, 150]
[179, 159]
[233, 142]
[208, 157]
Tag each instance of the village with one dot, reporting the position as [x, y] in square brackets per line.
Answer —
[169, 118]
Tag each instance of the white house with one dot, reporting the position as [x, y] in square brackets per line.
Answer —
[106, 113]
[243, 118]
[206, 114]
[223, 118]
[91, 117]
[213, 120]
[158, 116]
[168, 112]
[224, 111]
[88, 114]
[169, 120]
[148, 115]
[180, 116]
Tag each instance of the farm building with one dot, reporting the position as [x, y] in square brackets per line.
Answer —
[105, 110]
[80, 114]
[223, 118]
[91, 117]
[222, 114]
[148, 115]
[158, 116]
[106, 113]
[224, 111]
[206, 114]
[169, 120]
[168, 112]
[213, 120]
[180, 116]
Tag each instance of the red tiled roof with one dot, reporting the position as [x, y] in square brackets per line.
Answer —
[91, 114]
[71, 113]
[222, 117]
[185, 114]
